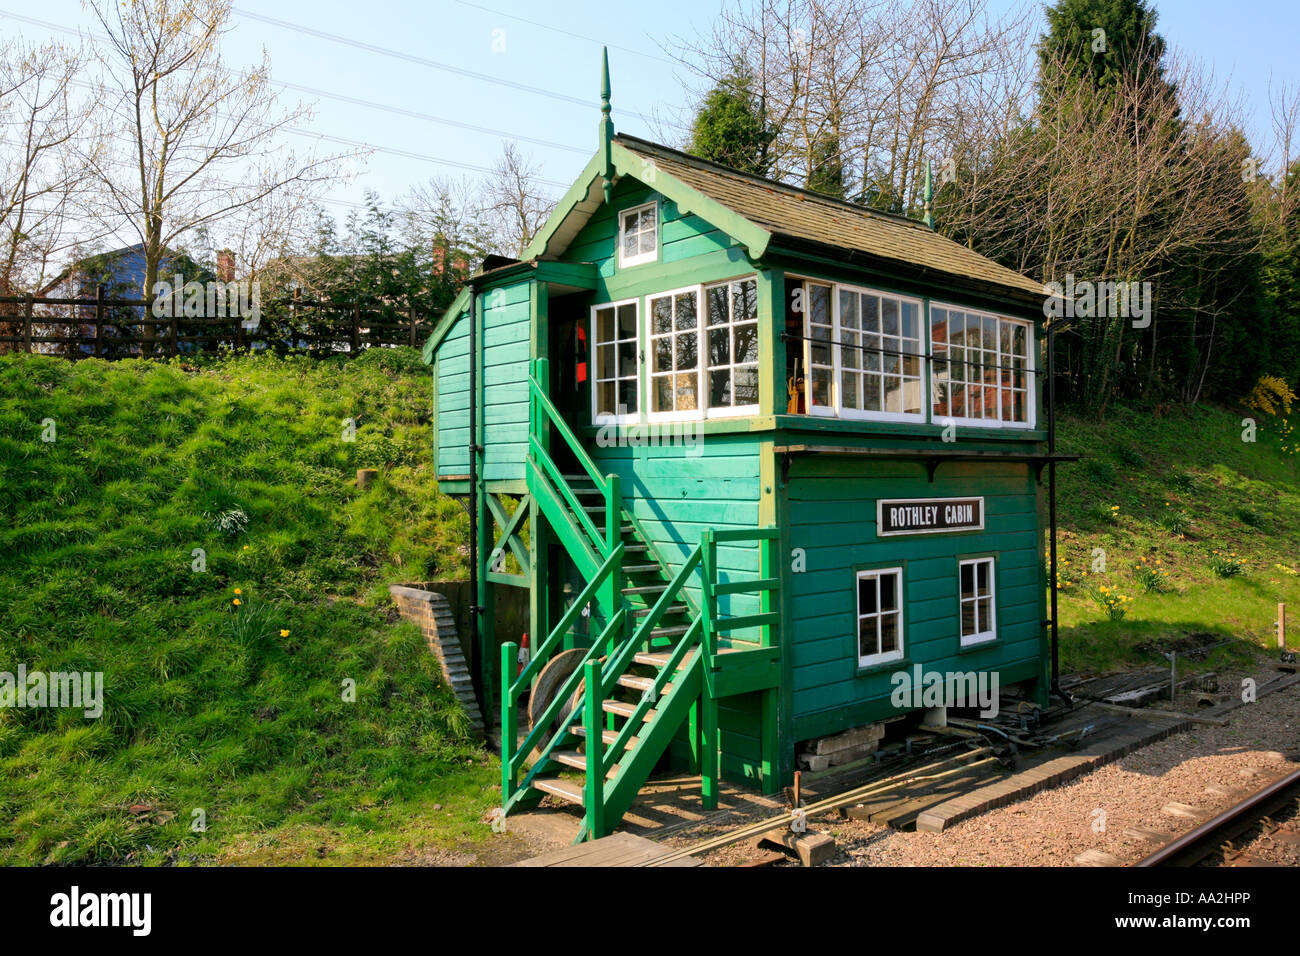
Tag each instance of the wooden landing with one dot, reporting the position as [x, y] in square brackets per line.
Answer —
[617, 849]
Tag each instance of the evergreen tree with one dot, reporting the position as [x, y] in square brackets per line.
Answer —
[730, 127]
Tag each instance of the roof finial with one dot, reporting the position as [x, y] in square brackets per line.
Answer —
[606, 127]
[929, 195]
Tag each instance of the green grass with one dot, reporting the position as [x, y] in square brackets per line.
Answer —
[209, 705]
[1200, 530]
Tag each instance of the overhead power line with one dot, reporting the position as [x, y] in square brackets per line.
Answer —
[327, 94]
[423, 61]
[567, 33]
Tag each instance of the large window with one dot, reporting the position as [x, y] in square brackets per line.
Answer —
[865, 353]
[638, 235]
[978, 621]
[719, 378]
[982, 367]
[614, 386]
[675, 353]
[880, 616]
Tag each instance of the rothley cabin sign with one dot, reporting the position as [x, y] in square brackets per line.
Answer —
[929, 515]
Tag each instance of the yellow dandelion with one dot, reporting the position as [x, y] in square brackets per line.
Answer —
[237, 591]
[236, 602]
[284, 632]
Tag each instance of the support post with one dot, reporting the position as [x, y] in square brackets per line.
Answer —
[708, 650]
[594, 790]
[508, 718]
[27, 325]
[99, 318]
[1281, 626]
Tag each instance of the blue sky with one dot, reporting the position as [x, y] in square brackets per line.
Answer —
[1248, 43]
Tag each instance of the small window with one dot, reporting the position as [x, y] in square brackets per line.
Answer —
[983, 368]
[638, 235]
[978, 622]
[614, 333]
[732, 353]
[880, 616]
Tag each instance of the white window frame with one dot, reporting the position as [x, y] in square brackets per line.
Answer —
[641, 257]
[991, 632]
[702, 365]
[650, 376]
[1031, 383]
[836, 408]
[604, 418]
[884, 657]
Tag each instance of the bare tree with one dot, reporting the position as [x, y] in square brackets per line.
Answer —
[201, 143]
[513, 204]
[44, 133]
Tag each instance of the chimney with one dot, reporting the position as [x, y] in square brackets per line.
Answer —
[439, 257]
[225, 266]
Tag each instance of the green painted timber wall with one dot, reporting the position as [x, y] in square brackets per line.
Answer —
[504, 371]
[673, 492]
[832, 512]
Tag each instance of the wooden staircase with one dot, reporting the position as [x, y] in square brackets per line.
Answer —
[645, 669]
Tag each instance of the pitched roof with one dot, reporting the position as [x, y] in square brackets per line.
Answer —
[788, 213]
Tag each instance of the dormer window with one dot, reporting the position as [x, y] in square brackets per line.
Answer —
[638, 235]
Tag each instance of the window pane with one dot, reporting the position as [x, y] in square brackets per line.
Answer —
[606, 393]
[717, 305]
[821, 386]
[627, 395]
[888, 633]
[747, 342]
[967, 618]
[888, 592]
[889, 316]
[985, 614]
[850, 385]
[631, 244]
[746, 384]
[627, 321]
[982, 577]
[893, 394]
[605, 325]
[967, 580]
[686, 311]
[867, 595]
[687, 356]
[819, 304]
[871, 393]
[687, 388]
[720, 388]
[626, 359]
[745, 302]
[870, 313]
[662, 354]
[868, 640]
[719, 346]
[911, 329]
[848, 310]
[605, 361]
[662, 390]
[662, 311]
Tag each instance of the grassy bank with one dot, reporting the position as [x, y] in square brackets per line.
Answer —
[169, 493]
[1201, 534]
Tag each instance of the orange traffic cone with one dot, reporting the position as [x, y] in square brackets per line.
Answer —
[523, 654]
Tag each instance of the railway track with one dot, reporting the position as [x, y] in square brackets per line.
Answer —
[1217, 834]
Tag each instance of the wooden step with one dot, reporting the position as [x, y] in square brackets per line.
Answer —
[676, 630]
[609, 736]
[570, 758]
[567, 790]
[646, 589]
[640, 568]
[670, 609]
[635, 548]
[636, 683]
[652, 659]
[624, 709]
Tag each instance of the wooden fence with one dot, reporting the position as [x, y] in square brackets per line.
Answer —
[106, 327]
